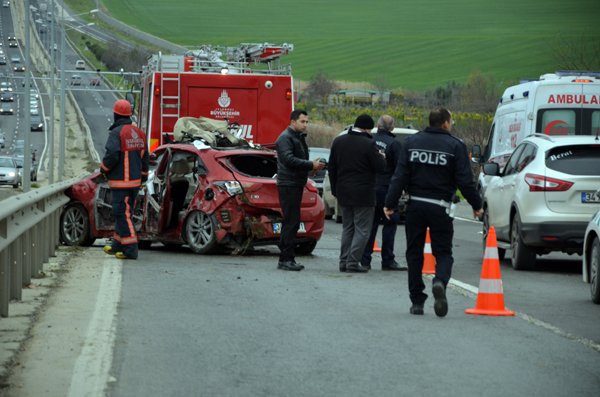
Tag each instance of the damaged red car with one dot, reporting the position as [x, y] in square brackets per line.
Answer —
[206, 197]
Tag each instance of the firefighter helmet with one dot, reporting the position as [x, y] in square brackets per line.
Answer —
[122, 107]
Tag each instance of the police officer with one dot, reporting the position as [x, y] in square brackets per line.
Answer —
[125, 165]
[432, 164]
[388, 145]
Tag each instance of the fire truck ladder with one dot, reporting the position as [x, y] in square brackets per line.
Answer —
[170, 88]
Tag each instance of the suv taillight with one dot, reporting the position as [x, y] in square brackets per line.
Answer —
[538, 183]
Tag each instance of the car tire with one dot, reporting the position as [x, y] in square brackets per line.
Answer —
[486, 229]
[200, 232]
[523, 257]
[595, 271]
[75, 226]
[144, 244]
[305, 248]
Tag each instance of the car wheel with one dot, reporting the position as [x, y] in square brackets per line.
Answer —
[523, 257]
[15, 186]
[486, 229]
[595, 271]
[200, 232]
[144, 244]
[305, 248]
[75, 226]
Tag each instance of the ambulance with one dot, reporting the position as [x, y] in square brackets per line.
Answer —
[560, 103]
[245, 85]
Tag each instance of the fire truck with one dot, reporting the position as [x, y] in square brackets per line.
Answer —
[246, 85]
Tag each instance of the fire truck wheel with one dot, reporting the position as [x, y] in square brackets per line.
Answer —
[199, 232]
[75, 226]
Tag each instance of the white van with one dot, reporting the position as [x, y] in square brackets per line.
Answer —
[561, 103]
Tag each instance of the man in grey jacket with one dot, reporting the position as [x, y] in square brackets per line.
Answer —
[293, 167]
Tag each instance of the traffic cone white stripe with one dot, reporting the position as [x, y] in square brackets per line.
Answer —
[427, 249]
[491, 253]
[490, 286]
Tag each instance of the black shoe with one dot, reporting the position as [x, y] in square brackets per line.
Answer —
[343, 268]
[289, 265]
[416, 309]
[395, 266]
[297, 264]
[366, 266]
[441, 303]
[356, 269]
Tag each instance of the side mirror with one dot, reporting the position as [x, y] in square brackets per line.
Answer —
[476, 154]
[130, 97]
[492, 169]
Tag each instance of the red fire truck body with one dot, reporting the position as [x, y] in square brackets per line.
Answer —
[246, 88]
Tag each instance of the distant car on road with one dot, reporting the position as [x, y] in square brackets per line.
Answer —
[37, 123]
[7, 97]
[6, 86]
[6, 4]
[32, 172]
[76, 79]
[12, 42]
[2, 59]
[6, 108]
[2, 140]
[95, 82]
[9, 172]
[80, 64]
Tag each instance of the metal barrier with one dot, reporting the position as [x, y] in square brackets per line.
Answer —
[29, 235]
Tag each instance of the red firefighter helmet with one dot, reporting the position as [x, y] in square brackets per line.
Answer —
[122, 107]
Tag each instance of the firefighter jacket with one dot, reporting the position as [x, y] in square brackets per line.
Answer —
[293, 164]
[387, 143]
[433, 164]
[354, 161]
[125, 162]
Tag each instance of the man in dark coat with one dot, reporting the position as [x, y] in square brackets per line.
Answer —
[293, 167]
[354, 162]
[386, 143]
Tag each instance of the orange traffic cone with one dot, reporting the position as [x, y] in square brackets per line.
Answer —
[375, 247]
[490, 299]
[428, 258]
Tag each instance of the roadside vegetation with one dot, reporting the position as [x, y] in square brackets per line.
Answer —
[459, 54]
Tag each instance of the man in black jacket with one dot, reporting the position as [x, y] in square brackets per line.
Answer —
[388, 144]
[353, 163]
[432, 165]
[293, 167]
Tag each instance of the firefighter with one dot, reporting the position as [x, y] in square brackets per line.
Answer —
[125, 165]
[432, 164]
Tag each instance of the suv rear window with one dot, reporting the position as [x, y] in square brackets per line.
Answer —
[255, 165]
[575, 160]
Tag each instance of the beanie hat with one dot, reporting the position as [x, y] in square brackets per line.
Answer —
[365, 122]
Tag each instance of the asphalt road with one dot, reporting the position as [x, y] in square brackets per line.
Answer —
[222, 325]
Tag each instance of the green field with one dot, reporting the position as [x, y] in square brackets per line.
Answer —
[414, 44]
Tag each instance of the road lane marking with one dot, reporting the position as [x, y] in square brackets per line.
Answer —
[91, 371]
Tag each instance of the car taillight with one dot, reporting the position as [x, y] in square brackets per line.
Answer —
[539, 183]
[231, 187]
[311, 186]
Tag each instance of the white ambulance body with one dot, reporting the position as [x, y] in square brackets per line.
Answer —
[561, 103]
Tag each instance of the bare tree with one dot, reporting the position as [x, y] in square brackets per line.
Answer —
[319, 88]
[577, 53]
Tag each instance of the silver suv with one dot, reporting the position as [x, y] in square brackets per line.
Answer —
[545, 196]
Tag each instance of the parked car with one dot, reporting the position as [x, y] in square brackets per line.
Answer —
[319, 176]
[9, 172]
[32, 172]
[332, 209]
[543, 199]
[37, 124]
[6, 108]
[591, 256]
[206, 197]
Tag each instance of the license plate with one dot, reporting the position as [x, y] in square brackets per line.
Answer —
[277, 228]
[590, 197]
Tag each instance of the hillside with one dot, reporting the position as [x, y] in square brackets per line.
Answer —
[409, 44]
